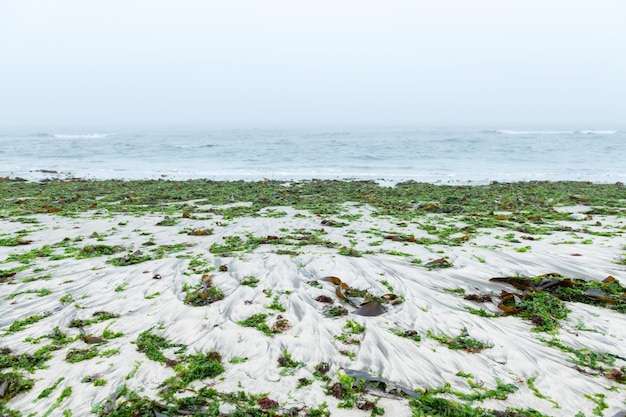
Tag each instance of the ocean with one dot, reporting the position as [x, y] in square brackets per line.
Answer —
[449, 156]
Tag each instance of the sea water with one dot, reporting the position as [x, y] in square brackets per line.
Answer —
[455, 156]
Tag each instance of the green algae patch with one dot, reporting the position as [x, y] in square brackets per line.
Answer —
[203, 293]
[9, 359]
[591, 362]
[12, 384]
[257, 321]
[133, 258]
[19, 325]
[153, 345]
[98, 316]
[461, 342]
[530, 202]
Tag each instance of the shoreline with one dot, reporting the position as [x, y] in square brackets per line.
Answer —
[48, 175]
[213, 296]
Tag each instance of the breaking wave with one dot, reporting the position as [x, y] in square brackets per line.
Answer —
[555, 132]
[83, 136]
[535, 132]
[598, 132]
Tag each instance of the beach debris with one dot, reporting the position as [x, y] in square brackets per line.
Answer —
[4, 388]
[130, 259]
[200, 232]
[390, 386]
[93, 340]
[542, 298]
[607, 291]
[156, 276]
[409, 334]
[91, 378]
[439, 263]
[539, 283]
[322, 368]
[365, 405]
[202, 294]
[167, 221]
[336, 311]
[332, 223]
[400, 238]
[281, 324]
[373, 308]
[266, 403]
[479, 298]
[508, 301]
[5, 275]
[78, 355]
[324, 299]
[616, 374]
[365, 303]
[13, 383]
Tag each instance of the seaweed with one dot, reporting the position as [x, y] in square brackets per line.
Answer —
[98, 317]
[543, 300]
[203, 293]
[257, 321]
[19, 325]
[12, 384]
[152, 346]
[133, 258]
[461, 342]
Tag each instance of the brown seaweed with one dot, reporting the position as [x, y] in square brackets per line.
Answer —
[599, 295]
[373, 308]
[508, 301]
[93, 340]
[540, 282]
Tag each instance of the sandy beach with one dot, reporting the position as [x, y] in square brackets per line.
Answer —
[313, 298]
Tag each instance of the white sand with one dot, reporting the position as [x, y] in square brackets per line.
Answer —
[516, 356]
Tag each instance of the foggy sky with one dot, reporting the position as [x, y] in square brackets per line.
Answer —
[306, 63]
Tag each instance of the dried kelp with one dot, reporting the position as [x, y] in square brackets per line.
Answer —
[373, 308]
[365, 303]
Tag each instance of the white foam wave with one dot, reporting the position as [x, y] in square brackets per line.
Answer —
[83, 136]
[598, 132]
[555, 132]
[535, 132]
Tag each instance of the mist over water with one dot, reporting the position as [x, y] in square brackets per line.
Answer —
[429, 155]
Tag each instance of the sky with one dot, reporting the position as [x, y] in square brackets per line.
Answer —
[251, 63]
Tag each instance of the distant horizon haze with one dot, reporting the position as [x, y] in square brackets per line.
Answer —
[280, 64]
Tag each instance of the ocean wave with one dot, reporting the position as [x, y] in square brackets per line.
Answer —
[83, 136]
[554, 132]
[535, 132]
[598, 132]
[208, 145]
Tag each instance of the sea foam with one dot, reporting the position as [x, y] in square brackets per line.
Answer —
[82, 136]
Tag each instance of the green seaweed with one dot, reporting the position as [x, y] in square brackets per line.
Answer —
[461, 342]
[19, 325]
[152, 346]
[257, 321]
